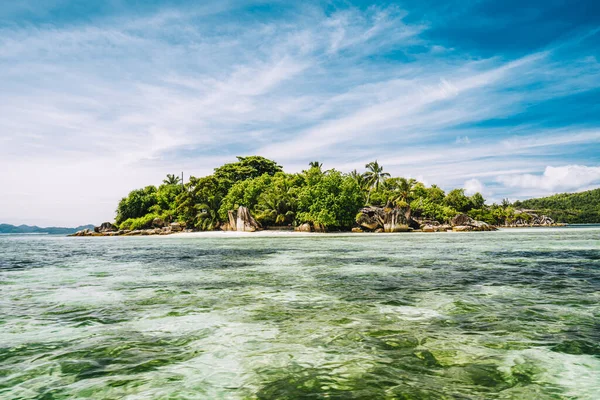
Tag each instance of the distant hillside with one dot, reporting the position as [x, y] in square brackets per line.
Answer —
[6, 228]
[571, 208]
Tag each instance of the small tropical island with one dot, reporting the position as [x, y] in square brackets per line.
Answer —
[255, 193]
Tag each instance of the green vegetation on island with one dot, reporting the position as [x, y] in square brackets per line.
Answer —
[328, 199]
[570, 208]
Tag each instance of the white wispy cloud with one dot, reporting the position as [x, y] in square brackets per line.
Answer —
[91, 110]
[429, 105]
[473, 186]
[566, 177]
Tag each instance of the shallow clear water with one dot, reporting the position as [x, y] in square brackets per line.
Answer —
[492, 315]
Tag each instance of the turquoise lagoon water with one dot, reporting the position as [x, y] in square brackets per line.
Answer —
[513, 314]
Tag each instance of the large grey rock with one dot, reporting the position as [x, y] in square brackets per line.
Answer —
[304, 228]
[106, 227]
[226, 227]
[530, 218]
[462, 228]
[482, 226]
[87, 232]
[435, 227]
[429, 228]
[232, 218]
[245, 222]
[463, 222]
[159, 223]
[386, 219]
[395, 221]
[370, 218]
[317, 227]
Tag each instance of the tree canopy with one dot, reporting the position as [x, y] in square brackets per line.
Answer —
[246, 168]
[136, 204]
[329, 198]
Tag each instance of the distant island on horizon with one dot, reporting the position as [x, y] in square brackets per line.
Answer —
[34, 229]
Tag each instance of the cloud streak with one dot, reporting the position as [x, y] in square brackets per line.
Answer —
[107, 104]
[566, 177]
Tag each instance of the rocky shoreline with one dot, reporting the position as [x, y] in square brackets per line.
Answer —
[239, 221]
[108, 229]
[379, 219]
[369, 219]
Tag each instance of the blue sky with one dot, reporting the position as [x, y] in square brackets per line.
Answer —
[100, 97]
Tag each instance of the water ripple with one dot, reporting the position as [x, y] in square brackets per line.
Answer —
[501, 315]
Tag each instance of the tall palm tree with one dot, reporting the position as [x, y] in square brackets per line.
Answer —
[360, 180]
[403, 194]
[405, 190]
[172, 179]
[375, 176]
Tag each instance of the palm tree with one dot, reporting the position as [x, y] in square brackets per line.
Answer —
[404, 192]
[172, 180]
[375, 176]
[360, 180]
[208, 213]
[278, 204]
[315, 164]
[406, 189]
[279, 209]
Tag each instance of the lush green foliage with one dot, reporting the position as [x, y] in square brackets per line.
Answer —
[245, 168]
[495, 214]
[330, 199]
[429, 209]
[134, 210]
[166, 197]
[136, 204]
[245, 193]
[278, 203]
[456, 199]
[138, 223]
[198, 205]
[327, 198]
[569, 208]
